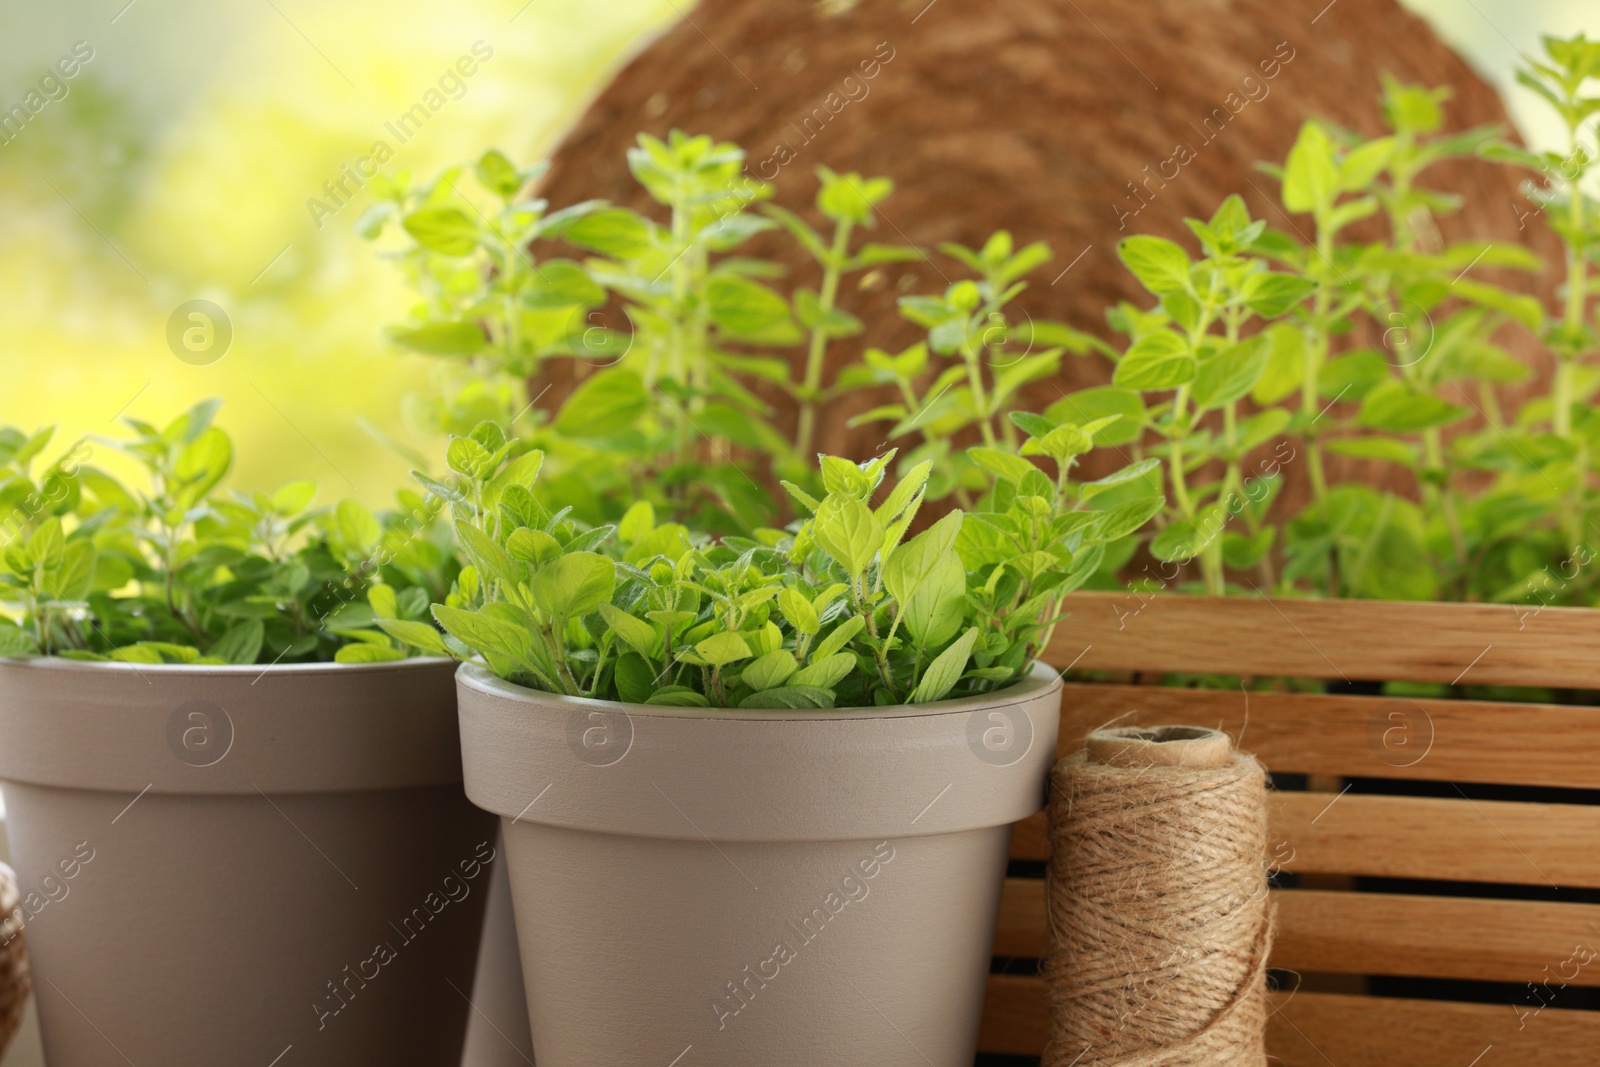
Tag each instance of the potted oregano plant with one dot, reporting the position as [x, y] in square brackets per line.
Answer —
[750, 782]
[644, 603]
[233, 803]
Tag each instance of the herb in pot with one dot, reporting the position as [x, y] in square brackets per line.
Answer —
[177, 572]
[843, 608]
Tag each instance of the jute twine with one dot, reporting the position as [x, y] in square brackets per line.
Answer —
[1159, 920]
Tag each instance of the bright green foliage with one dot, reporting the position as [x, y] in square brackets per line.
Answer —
[177, 572]
[485, 305]
[1381, 347]
[967, 376]
[844, 608]
[673, 333]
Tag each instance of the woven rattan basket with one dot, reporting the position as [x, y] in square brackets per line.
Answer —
[15, 982]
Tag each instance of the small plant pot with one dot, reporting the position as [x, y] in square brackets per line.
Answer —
[722, 887]
[243, 865]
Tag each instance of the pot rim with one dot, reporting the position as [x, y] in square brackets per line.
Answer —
[1041, 678]
[221, 670]
[296, 728]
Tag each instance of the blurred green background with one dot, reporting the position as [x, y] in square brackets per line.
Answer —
[180, 162]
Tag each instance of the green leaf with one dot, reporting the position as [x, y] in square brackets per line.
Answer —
[678, 696]
[15, 641]
[611, 232]
[1353, 376]
[1158, 360]
[770, 670]
[605, 405]
[1286, 363]
[1519, 306]
[798, 610]
[1362, 164]
[417, 635]
[1160, 265]
[825, 673]
[355, 527]
[484, 633]
[240, 644]
[491, 560]
[1384, 448]
[574, 585]
[201, 465]
[1310, 177]
[138, 653]
[1131, 473]
[74, 579]
[1003, 465]
[451, 338]
[532, 546]
[366, 652]
[790, 696]
[446, 230]
[635, 678]
[1230, 374]
[934, 610]
[638, 634]
[840, 636]
[561, 283]
[945, 671]
[383, 601]
[745, 309]
[915, 562]
[1178, 542]
[1270, 294]
[293, 498]
[466, 456]
[724, 648]
[497, 174]
[847, 530]
[1396, 407]
[1102, 401]
[47, 545]
[1118, 522]
[638, 521]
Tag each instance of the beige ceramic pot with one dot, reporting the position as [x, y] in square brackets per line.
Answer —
[238, 865]
[725, 888]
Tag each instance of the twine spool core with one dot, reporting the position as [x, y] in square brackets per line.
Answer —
[1160, 746]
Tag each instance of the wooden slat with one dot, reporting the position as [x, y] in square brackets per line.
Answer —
[1318, 1029]
[1415, 837]
[1425, 837]
[1013, 1016]
[1367, 737]
[1020, 929]
[1030, 838]
[1379, 933]
[1441, 937]
[1349, 639]
[1312, 1030]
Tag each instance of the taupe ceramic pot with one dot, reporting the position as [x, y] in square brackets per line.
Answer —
[238, 865]
[725, 888]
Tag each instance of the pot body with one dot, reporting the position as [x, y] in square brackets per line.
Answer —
[720, 888]
[234, 865]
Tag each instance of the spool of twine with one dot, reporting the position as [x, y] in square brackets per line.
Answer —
[1159, 920]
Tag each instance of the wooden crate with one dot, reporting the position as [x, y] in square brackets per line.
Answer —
[1331, 927]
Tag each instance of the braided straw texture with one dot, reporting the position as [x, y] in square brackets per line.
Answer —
[1158, 914]
[15, 981]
